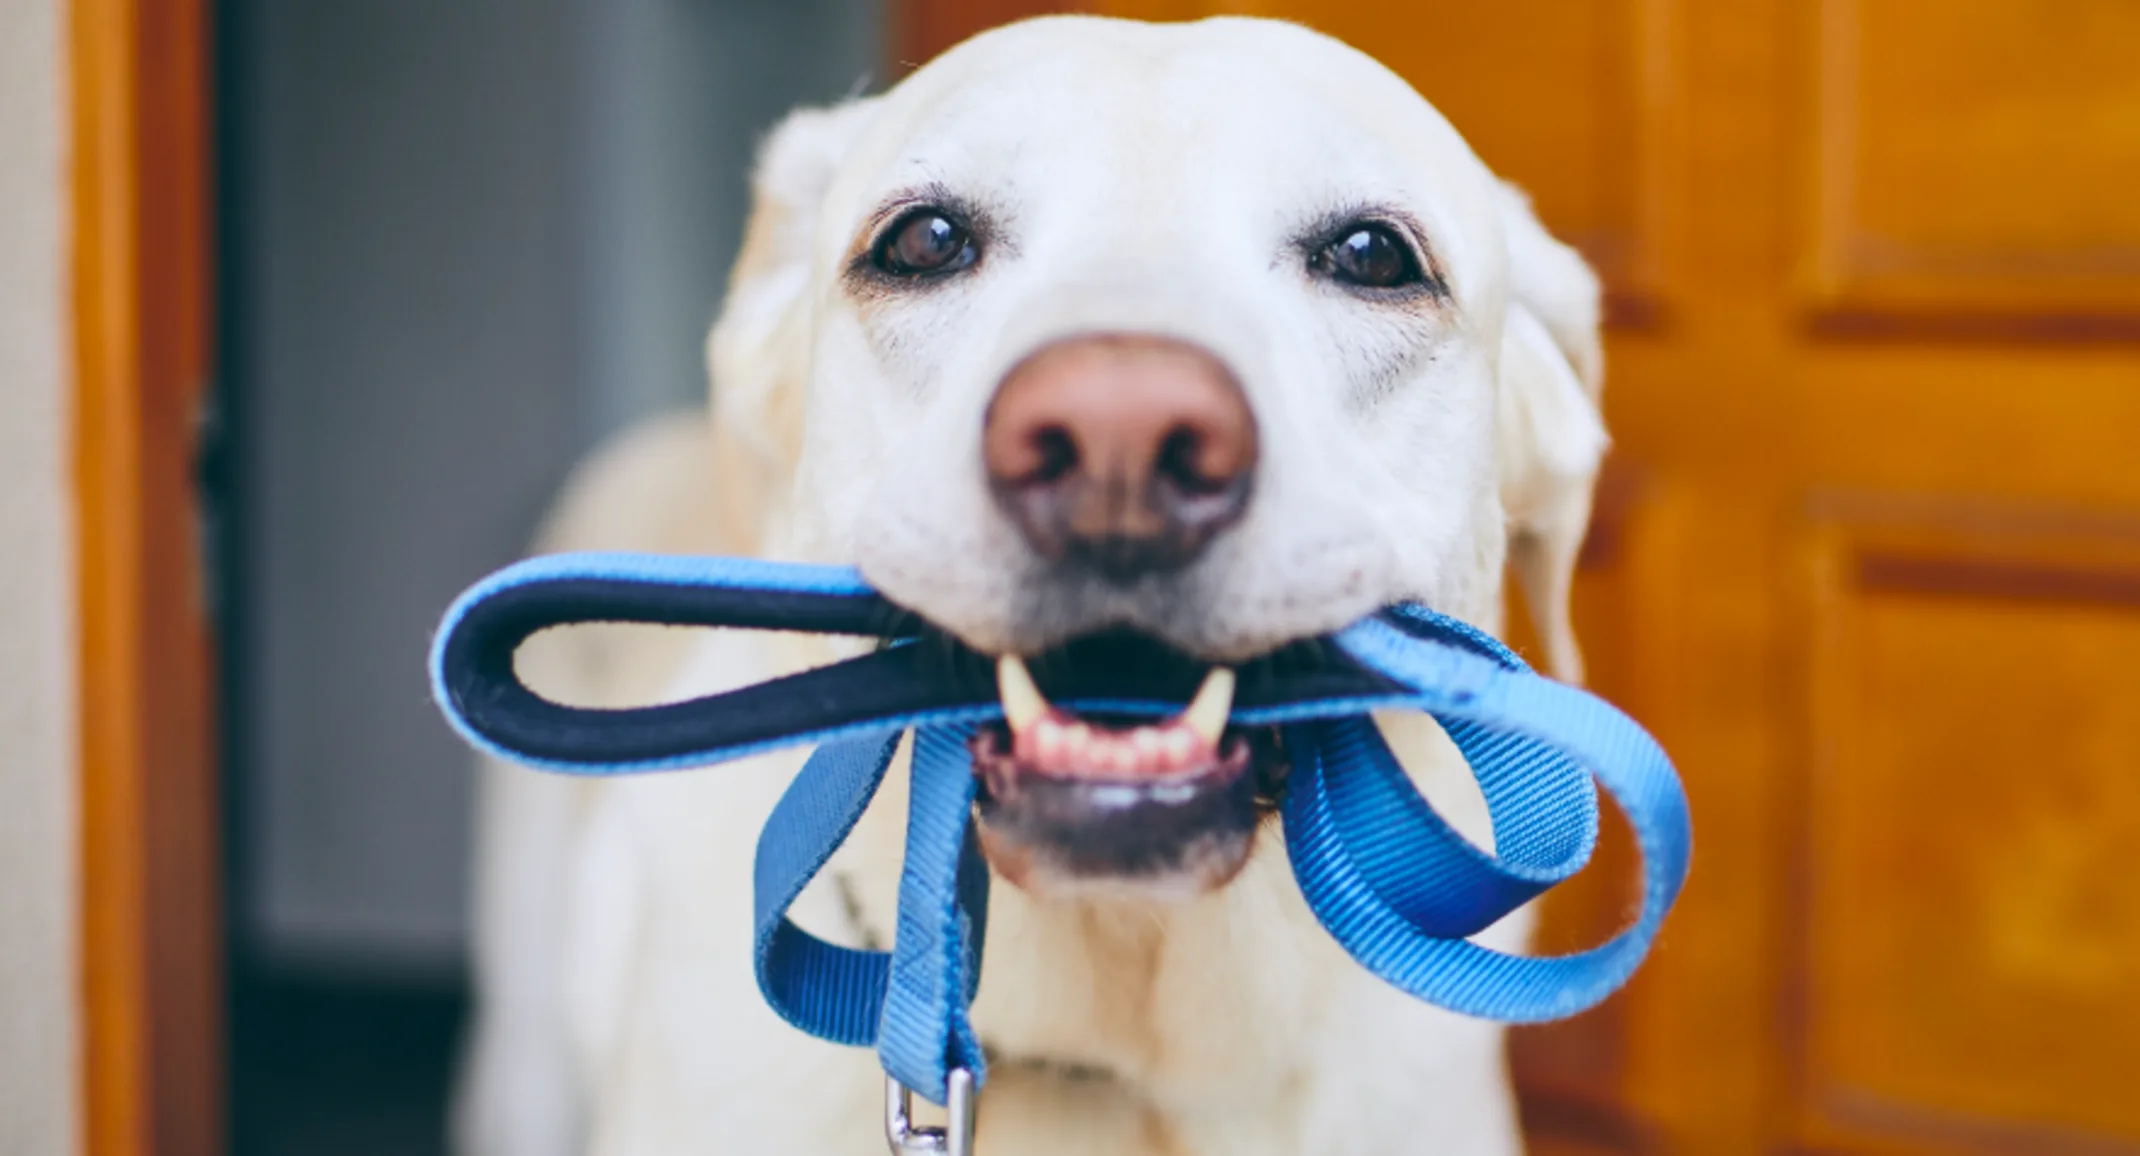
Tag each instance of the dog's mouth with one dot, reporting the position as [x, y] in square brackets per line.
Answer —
[1095, 804]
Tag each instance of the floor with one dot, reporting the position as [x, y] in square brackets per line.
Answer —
[324, 1068]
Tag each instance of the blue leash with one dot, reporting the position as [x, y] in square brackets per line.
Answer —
[1387, 877]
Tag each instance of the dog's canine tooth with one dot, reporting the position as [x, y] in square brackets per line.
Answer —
[1023, 704]
[1207, 713]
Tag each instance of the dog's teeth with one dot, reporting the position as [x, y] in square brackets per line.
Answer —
[1180, 746]
[1145, 749]
[1206, 716]
[1022, 702]
[1048, 740]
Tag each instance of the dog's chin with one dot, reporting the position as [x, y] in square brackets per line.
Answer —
[1105, 807]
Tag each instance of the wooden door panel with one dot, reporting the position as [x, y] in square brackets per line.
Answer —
[1972, 924]
[2027, 422]
[1985, 162]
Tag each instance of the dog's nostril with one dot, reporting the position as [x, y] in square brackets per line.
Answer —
[1181, 462]
[1055, 454]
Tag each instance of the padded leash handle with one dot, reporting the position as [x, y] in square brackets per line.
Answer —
[479, 692]
[919, 677]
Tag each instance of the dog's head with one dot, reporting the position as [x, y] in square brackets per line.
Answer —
[1100, 341]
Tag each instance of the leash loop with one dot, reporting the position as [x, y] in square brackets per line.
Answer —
[1386, 876]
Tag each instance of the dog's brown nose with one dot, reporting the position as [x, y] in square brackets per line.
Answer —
[1125, 454]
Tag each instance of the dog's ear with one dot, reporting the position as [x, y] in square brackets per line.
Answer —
[759, 352]
[1551, 434]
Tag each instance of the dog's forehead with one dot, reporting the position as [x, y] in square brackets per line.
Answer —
[1065, 106]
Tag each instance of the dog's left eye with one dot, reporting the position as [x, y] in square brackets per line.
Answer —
[1370, 256]
[925, 242]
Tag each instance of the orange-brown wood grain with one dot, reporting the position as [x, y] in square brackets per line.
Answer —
[921, 29]
[2010, 210]
[150, 928]
[1966, 919]
[1875, 370]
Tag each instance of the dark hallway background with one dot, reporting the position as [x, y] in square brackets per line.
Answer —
[458, 243]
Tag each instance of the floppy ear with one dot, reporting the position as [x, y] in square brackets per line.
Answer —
[759, 352]
[1551, 434]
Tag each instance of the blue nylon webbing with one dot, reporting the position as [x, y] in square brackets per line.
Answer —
[1386, 876]
[832, 992]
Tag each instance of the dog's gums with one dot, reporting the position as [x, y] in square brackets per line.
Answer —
[1053, 742]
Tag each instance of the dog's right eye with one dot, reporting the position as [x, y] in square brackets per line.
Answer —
[1368, 256]
[926, 242]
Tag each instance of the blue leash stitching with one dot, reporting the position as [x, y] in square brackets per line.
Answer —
[1387, 877]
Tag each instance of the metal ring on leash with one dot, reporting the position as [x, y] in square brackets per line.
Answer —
[954, 1139]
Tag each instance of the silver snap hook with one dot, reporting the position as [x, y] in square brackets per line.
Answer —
[954, 1139]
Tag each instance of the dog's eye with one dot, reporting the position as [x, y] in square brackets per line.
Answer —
[925, 242]
[1370, 256]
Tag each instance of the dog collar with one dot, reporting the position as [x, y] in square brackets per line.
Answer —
[1388, 879]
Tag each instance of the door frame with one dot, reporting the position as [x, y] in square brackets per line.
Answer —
[150, 922]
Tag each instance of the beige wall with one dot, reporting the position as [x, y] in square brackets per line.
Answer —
[37, 992]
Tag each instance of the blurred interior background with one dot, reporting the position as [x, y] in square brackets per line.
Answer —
[1867, 557]
[459, 243]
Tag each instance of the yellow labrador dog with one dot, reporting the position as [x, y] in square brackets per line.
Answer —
[1215, 333]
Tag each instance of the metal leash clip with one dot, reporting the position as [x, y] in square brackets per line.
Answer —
[954, 1139]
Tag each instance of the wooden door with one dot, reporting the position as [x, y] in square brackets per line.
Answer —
[151, 933]
[1868, 555]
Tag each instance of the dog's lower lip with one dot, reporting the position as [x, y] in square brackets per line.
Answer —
[1159, 836]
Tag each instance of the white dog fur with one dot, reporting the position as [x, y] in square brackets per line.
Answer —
[1143, 178]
